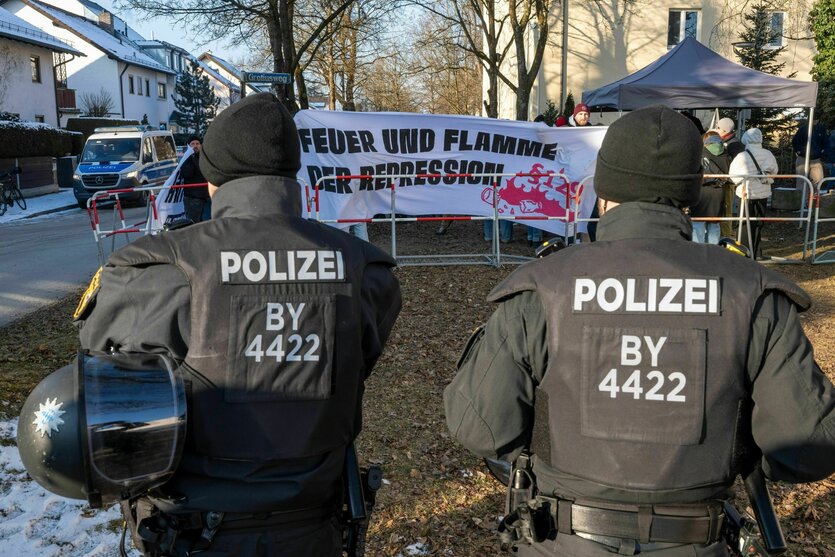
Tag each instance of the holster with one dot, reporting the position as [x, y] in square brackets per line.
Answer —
[158, 534]
[527, 517]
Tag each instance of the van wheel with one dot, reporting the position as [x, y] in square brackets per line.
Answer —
[82, 204]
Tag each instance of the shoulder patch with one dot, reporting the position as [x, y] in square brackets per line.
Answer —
[88, 297]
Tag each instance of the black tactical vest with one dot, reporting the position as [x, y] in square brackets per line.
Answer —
[274, 354]
[645, 396]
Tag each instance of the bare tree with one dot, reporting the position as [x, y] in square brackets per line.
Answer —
[390, 89]
[449, 76]
[238, 21]
[489, 29]
[97, 104]
[528, 16]
[354, 42]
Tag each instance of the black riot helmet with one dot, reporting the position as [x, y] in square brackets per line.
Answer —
[105, 428]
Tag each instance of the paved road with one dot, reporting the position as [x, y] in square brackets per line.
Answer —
[45, 258]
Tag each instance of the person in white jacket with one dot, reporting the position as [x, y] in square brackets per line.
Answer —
[754, 160]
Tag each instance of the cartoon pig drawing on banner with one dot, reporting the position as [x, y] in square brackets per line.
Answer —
[538, 192]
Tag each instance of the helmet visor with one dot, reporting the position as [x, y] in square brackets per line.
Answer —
[135, 410]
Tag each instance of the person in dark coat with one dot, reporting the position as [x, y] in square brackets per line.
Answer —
[276, 322]
[725, 128]
[640, 374]
[696, 122]
[817, 151]
[196, 199]
[712, 199]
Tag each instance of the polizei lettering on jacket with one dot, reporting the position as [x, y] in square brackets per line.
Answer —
[254, 266]
[681, 295]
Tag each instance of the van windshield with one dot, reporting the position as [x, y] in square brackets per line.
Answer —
[111, 150]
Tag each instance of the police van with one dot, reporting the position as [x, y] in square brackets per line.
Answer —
[122, 157]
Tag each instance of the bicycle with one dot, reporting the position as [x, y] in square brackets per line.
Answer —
[9, 191]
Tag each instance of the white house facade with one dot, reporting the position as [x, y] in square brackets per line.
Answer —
[28, 86]
[113, 65]
[591, 44]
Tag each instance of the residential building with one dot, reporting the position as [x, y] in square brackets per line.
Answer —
[607, 40]
[226, 90]
[231, 73]
[30, 60]
[113, 66]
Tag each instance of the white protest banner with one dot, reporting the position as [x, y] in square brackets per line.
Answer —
[169, 201]
[363, 143]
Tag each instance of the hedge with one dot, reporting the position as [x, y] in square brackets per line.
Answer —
[30, 139]
[88, 125]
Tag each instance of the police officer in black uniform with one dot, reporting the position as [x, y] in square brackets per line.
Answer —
[276, 321]
[642, 373]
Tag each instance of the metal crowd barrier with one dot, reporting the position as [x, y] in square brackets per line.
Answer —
[743, 220]
[494, 257]
[119, 227]
[810, 211]
[829, 255]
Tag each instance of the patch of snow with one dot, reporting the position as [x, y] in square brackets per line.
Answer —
[52, 201]
[121, 48]
[417, 548]
[36, 523]
[15, 27]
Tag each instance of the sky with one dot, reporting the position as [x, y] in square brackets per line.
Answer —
[169, 31]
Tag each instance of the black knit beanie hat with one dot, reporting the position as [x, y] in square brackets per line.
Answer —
[652, 154]
[254, 137]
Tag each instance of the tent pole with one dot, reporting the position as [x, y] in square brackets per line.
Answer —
[808, 141]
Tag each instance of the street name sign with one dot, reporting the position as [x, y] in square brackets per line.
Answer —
[265, 77]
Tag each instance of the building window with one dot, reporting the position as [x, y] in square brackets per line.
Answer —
[35, 62]
[777, 19]
[147, 88]
[161, 90]
[682, 24]
[39, 118]
[130, 85]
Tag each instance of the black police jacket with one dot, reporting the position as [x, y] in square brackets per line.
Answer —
[278, 321]
[645, 368]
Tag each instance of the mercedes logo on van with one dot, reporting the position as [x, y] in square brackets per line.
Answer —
[99, 180]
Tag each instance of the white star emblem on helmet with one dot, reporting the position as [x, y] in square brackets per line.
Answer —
[48, 416]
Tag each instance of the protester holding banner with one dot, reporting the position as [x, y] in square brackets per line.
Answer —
[198, 206]
[276, 321]
[581, 115]
[580, 119]
[632, 379]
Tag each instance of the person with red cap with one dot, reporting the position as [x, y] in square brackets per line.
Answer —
[581, 115]
[561, 121]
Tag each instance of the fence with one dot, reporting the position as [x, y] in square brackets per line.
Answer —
[826, 256]
[495, 257]
[120, 228]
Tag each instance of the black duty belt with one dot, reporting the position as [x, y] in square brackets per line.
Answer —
[679, 524]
